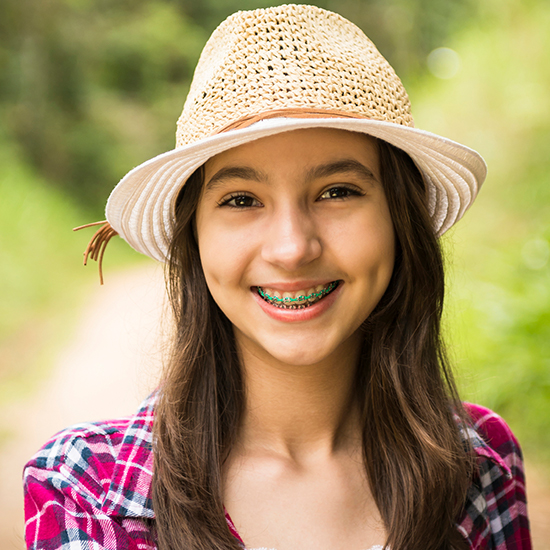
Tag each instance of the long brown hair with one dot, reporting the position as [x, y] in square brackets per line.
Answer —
[418, 467]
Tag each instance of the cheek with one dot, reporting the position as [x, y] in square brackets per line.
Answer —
[224, 256]
[367, 246]
[376, 269]
[382, 248]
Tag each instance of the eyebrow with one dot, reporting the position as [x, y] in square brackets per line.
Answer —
[321, 171]
[341, 166]
[234, 172]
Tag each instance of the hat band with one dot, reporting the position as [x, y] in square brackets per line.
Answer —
[297, 112]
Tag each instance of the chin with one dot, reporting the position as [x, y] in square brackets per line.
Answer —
[300, 354]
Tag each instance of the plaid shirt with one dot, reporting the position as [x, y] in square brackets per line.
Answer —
[90, 487]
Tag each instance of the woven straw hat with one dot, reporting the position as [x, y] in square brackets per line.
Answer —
[273, 70]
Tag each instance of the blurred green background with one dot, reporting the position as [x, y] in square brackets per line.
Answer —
[91, 88]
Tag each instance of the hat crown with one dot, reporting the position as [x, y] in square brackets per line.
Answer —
[289, 57]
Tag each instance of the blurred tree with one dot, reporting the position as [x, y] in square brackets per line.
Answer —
[84, 86]
[89, 88]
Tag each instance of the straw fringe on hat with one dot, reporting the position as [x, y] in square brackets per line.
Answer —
[285, 68]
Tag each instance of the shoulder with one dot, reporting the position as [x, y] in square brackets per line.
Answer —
[82, 454]
[90, 484]
[86, 455]
[99, 442]
[102, 436]
[495, 512]
[496, 436]
[490, 424]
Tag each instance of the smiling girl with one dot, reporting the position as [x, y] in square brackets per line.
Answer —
[307, 403]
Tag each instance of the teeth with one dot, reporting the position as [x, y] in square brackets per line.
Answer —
[293, 295]
[296, 300]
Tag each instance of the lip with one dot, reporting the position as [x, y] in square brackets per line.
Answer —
[298, 315]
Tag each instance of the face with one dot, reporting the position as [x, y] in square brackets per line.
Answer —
[296, 242]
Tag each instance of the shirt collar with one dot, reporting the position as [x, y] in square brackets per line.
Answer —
[484, 451]
[129, 493]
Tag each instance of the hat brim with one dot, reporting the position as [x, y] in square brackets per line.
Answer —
[141, 208]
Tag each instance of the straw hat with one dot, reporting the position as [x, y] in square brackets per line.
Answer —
[272, 70]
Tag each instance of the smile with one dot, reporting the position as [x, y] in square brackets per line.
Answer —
[296, 300]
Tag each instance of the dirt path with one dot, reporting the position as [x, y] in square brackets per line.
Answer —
[538, 497]
[111, 364]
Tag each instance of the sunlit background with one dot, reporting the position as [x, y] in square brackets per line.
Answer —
[91, 88]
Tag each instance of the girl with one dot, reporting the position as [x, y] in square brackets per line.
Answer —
[307, 403]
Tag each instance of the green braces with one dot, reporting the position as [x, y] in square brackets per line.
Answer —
[287, 300]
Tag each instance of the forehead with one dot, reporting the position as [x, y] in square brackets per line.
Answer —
[299, 150]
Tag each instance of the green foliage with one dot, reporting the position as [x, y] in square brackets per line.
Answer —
[41, 273]
[34, 270]
[499, 301]
[31, 221]
[89, 89]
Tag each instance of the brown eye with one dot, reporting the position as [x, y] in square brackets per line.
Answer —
[339, 192]
[240, 201]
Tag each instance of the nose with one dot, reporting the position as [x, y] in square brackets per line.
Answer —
[291, 240]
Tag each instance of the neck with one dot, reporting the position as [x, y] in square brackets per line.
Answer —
[300, 411]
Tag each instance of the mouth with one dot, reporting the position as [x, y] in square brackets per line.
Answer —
[300, 299]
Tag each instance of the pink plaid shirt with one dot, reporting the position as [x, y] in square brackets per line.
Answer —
[90, 487]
